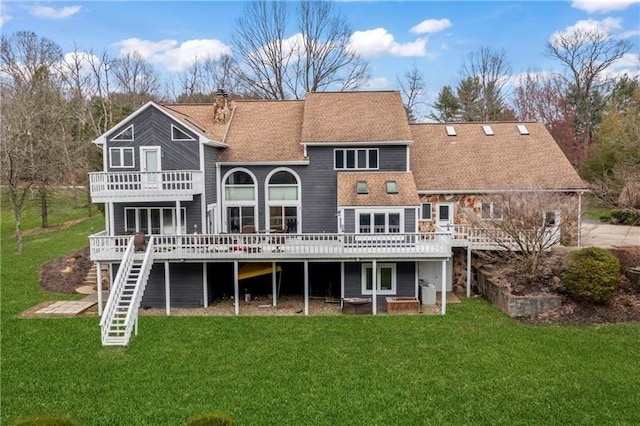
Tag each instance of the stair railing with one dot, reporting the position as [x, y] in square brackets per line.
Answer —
[136, 297]
[117, 289]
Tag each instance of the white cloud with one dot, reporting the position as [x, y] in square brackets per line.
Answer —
[431, 26]
[171, 54]
[589, 26]
[377, 83]
[602, 6]
[379, 42]
[4, 19]
[515, 80]
[629, 34]
[53, 13]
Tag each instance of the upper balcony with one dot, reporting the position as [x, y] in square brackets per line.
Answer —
[165, 185]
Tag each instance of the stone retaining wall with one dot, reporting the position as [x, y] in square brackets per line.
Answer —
[514, 306]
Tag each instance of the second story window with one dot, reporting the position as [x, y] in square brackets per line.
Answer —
[356, 158]
[121, 157]
[491, 211]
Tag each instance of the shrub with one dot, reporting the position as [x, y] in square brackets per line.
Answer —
[593, 274]
[46, 421]
[625, 217]
[211, 419]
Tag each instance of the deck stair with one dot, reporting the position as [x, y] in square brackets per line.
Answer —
[120, 315]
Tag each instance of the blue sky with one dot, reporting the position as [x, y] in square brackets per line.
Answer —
[435, 35]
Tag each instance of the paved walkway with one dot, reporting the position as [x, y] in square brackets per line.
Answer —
[607, 235]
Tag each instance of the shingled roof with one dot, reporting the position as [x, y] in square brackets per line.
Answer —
[377, 195]
[200, 116]
[345, 117]
[474, 161]
[264, 131]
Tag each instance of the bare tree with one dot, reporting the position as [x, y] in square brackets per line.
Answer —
[412, 89]
[317, 58]
[204, 77]
[33, 126]
[586, 54]
[525, 224]
[136, 78]
[490, 69]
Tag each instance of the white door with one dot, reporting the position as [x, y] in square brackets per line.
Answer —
[150, 164]
[444, 215]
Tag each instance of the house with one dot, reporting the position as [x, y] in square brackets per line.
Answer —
[339, 187]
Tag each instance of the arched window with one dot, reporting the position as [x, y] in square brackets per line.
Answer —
[283, 201]
[240, 202]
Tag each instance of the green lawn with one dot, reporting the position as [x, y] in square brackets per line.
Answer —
[472, 366]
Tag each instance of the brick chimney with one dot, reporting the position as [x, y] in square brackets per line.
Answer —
[221, 106]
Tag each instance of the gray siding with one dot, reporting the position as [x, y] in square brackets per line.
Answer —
[405, 281]
[210, 187]
[153, 128]
[185, 286]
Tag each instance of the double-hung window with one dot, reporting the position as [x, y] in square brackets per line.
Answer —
[121, 157]
[385, 278]
[379, 222]
[490, 211]
[356, 158]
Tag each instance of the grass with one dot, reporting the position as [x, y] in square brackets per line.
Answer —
[473, 366]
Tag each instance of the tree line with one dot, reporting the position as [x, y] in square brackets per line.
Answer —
[54, 104]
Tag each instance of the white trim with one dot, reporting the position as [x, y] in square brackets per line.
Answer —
[130, 126]
[122, 149]
[143, 158]
[450, 221]
[386, 213]
[356, 143]
[282, 203]
[174, 127]
[202, 138]
[248, 203]
[263, 163]
[408, 160]
[355, 158]
[380, 207]
[378, 290]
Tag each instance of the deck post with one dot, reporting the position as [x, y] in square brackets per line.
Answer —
[167, 289]
[417, 279]
[236, 289]
[205, 291]
[178, 218]
[306, 287]
[468, 271]
[342, 284]
[135, 326]
[580, 218]
[274, 288]
[99, 279]
[374, 290]
[443, 303]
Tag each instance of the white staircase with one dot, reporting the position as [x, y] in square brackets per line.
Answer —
[120, 314]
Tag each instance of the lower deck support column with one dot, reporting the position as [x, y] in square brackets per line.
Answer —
[306, 287]
[468, 271]
[374, 288]
[274, 288]
[99, 279]
[443, 303]
[417, 280]
[236, 289]
[341, 284]
[167, 289]
[205, 290]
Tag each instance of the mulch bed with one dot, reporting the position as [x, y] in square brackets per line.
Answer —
[66, 273]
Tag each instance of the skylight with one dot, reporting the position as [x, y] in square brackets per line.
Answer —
[362, 187]
[523, 129]
[487, 130]
[392, 187]
[451, 131]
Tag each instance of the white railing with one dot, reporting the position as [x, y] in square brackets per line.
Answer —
[136, 298]
[283, 246]
[117, 289]
[166, 182]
